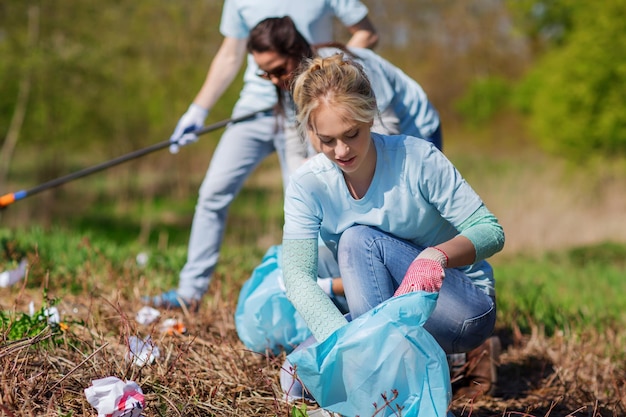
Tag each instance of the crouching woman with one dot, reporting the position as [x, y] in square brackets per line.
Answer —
[396, 213]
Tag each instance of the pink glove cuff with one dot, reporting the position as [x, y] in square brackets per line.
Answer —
[434, 254]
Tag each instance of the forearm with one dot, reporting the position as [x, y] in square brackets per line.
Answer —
[459, 250]
[480, 237]
[224, 67]
[300, 275]
[364, 35]
[485, 233]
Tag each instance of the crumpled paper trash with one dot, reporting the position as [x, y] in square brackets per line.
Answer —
[51, 313]
[8, 278]
[113, 397]
[147, 315]
[142, 352]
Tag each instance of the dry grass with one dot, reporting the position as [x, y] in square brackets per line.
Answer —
[208, 371]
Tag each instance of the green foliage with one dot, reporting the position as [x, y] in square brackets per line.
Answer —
[546, 22]
[24, 326]
[576, 288]
[114, 75]
[576, 94]
[484, 98]
[299, 412]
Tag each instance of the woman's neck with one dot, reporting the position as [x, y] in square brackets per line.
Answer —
[359, 182]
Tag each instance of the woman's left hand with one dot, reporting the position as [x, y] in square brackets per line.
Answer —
[426, 272]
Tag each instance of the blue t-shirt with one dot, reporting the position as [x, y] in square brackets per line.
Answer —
[416, 194]
[396, 91]
[313, 18]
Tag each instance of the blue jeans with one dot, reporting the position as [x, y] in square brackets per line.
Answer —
[242, 147]
[372, 265]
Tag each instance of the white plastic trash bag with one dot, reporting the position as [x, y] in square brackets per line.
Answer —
[384, 351]
[113, 397]
[265, 319]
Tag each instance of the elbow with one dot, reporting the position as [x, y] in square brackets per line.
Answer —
[371, 40]
[500, 239]
[364, 34]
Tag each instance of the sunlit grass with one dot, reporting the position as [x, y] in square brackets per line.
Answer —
[554, 270]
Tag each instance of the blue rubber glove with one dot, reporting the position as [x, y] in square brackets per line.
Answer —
[192, 120]
[326, 284]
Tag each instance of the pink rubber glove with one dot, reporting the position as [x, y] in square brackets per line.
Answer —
[426, 272]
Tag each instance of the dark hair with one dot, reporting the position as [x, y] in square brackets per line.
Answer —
[280, 35]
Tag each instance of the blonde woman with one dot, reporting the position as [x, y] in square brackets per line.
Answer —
[396, 214]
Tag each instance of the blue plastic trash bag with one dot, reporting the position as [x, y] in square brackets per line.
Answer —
[265, 319]
[381, 352]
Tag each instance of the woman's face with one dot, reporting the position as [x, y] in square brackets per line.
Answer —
[275, 67]
[345, 142]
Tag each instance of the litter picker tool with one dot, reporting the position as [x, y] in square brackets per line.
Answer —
[8, 199]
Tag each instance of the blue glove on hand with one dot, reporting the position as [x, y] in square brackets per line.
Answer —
[326, 284]
[192, 120]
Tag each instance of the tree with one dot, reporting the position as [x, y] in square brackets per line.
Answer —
[576, 93]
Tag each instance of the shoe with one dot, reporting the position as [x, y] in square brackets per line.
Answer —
[479, 375]
[170, 300]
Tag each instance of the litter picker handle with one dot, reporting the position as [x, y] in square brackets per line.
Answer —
[7, 199]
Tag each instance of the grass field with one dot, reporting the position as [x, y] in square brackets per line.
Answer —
[560, 283]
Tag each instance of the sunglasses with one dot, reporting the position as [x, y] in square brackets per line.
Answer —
[278, 73]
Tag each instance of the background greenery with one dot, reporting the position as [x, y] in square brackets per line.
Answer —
[526, 89]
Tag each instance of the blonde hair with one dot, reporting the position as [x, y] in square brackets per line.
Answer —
[336, 81]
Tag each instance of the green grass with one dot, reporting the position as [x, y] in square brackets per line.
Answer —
[98, 225]
[573, 289]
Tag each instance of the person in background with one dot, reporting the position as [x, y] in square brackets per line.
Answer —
[245, 144]
[278, 47]
[394, 211]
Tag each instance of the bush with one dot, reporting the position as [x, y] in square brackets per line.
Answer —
[483, 99]
[576, 95]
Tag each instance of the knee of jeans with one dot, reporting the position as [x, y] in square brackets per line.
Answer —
[215, 197]
[353, 237]
[475, 331]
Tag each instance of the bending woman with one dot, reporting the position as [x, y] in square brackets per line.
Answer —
[396, 214]
[278, 48]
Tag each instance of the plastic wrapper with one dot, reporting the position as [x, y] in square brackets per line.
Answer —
[142, 352]
[147, 315]
[385, 353]
[8, 278]
[172, 326]
[51, 313]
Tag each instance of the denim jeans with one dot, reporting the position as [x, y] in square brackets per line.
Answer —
[242, 147]
[372, 265]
